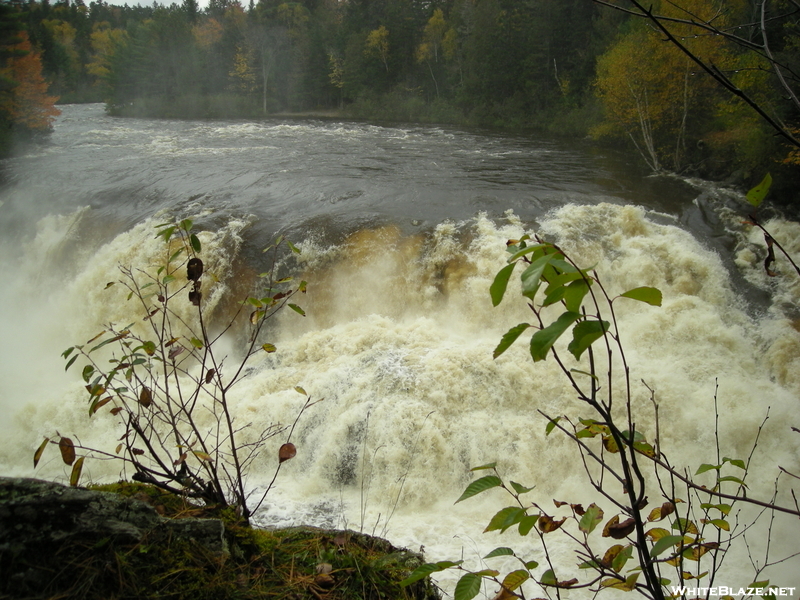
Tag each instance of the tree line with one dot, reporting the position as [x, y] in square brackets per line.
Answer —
[576, 67]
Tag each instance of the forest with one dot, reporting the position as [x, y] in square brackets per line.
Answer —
[584, 68]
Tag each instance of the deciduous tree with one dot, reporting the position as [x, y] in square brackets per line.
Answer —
[27, 103]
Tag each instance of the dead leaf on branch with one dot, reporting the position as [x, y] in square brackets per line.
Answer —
[617, 530]
[547, 524]
[286, 452]
[67, 450]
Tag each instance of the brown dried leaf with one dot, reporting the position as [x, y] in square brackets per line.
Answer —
[145, 397]
[194, 269]
[324, 581]
[286, 452]
[75, 476]
[617, 530]
[100, 404]
[67, 450]
[610, 444]
[116, 410]
[210, 375]
[38, 454]
[661, 512]
[547, 524]
[504, 594]
[137, 451]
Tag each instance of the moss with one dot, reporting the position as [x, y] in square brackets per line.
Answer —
[282, 564]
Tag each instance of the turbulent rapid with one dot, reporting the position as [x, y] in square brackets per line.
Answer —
[401, 230]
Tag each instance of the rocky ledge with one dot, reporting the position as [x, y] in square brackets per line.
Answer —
[67, 542]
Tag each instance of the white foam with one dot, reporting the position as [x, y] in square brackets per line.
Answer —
[398, 341]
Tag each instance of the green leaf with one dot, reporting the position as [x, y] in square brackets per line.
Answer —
[297, 309]
[490, 465]
[515, 579]
[509, 338]
[526, 524]
[166, 233]
[719, 523]
[732, 478]
[585, 373]
[480, 485]
[467, 587]
[195, 242]
[585, 334]
[175, 254]
[269, 348]
[186, 224]
[487, 573]
[756, 195]
[531, 564]
[574, 295]
[549, 578]
[292, 247]
[620, 559]
[498, 288]
[300, 390]
[197, 343]
[167, 279]
[502, 551]
[736, 462]
[424, 570]
[532, 276]
[706, 467]
[664, 543]
[543, 340]
[505, 518]
[527, 250]
[87, 373]
[649, 295]
[67, 352]
[520, 489]
[591, 518]
[551, 425]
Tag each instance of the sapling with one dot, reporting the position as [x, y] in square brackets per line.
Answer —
[167, 384]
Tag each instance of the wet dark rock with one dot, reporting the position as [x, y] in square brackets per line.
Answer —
[34, 511]
[45, 524]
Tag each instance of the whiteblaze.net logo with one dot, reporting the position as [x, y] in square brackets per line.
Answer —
[732, 592]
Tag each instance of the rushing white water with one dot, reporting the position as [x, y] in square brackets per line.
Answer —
[398, 343]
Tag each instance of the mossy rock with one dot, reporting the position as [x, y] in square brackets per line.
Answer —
[165, 552]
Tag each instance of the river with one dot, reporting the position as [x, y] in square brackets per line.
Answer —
[401, 229]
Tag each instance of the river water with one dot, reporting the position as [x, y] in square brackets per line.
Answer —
[401, 230]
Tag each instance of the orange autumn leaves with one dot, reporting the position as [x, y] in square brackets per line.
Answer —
[26, 102]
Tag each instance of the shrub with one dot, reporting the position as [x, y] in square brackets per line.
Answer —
[165, 381]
